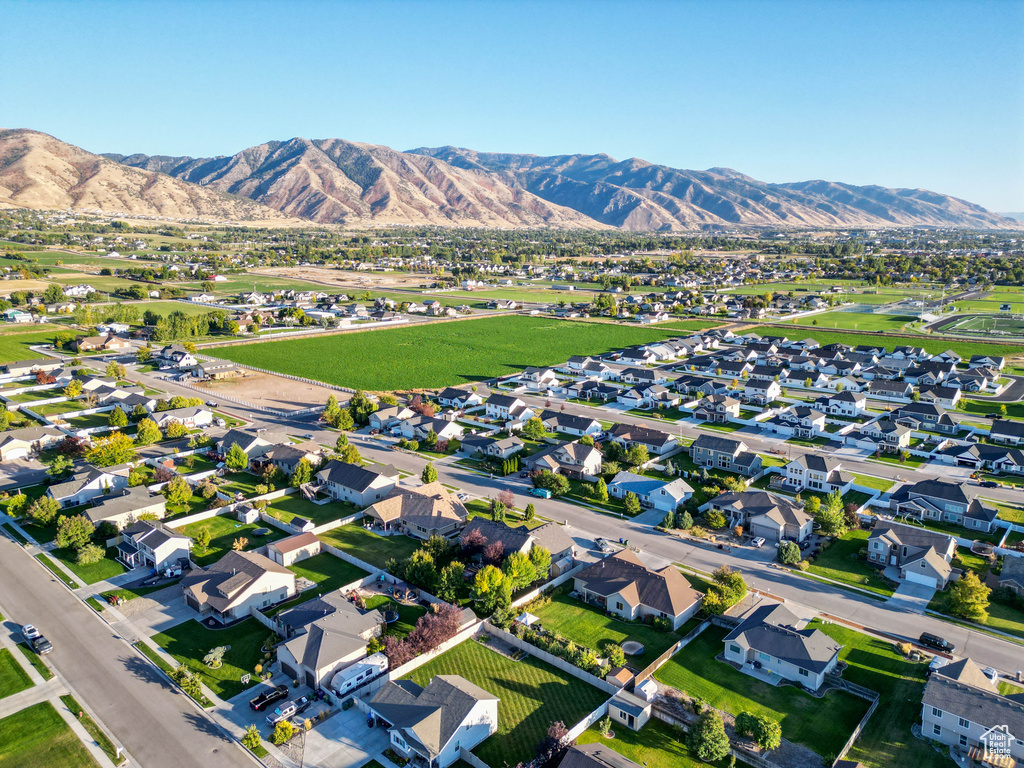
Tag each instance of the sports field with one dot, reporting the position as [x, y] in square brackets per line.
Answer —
[440, 354]
[859, 321]
[988, 324]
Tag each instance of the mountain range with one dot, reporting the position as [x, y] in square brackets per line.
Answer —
[333, 181]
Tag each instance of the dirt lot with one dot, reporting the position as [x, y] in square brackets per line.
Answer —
[272, 391]
[368, 281]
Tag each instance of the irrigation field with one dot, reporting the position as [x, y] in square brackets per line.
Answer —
[441, 354]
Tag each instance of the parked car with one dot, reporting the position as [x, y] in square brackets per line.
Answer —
[211, 403]
[524, 474]
[29, 632]
[283, 712]
[989, 484]
[267, 698]
[602, 544]
[542, 493]
[758, 542]
[929, 640]
[41, 645]
[374, 431]
[308, 436]
[220, 423]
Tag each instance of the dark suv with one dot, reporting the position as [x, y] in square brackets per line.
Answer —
[41, 645]
[267, 698]
[937, 643]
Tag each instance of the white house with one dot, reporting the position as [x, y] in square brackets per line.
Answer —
[239, 581]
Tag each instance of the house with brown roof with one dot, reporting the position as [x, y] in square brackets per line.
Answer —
[519, 538]
[292, 549]
[624, 586]
[240, 581]
[421, 512]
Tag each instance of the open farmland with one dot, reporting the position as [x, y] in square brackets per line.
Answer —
[15, 346]
[440, 354]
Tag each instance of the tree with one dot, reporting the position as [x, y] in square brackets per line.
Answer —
[236, 459]
[497, 511]
[16, 505]
[54, 294]
[637, 455]
[43, 510]
[968, 598]
[239, 543]
[283, 731]
[251, 739]
[147, 433]
[631, 504]
[202, 538]
[360, 406]
[73, 389]
[587, 440]
[350, 455]
[789, 553]
[449, 581]
[73, 532]
[529, 512]
[519, 570]
[175, 429]
[491, 589]
[429, 474]
[761, 728]
[541, 559]
[714, 519]
[557, 484]
[684, 520]
[534, 429]
[832, 517]
[143, 355]
[601, 489]
[90, 554]
[117, 448]
[178, 492]
[59, 467]
[812, 506]
[708, 740]
[118, 418]
[116, 369]
[302, 474]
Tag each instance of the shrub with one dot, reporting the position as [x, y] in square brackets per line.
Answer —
[789, 553]
[708, 740]
[283, 731]
[251, 739]
[89, 554]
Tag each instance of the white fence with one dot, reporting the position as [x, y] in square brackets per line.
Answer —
[343, 555]
[533, 594]
[577, 730]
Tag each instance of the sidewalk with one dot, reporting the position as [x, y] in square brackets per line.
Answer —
[47, 691]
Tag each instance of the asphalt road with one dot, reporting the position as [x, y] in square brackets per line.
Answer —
[155, 722]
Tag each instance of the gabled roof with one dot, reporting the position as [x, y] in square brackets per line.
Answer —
[122, 502]
[772, 629]
[961, 693]
[429, 506]
[219, 584]
[718, 444]
[595, 755]
[666, 590]
[333, 636]
[354, 476]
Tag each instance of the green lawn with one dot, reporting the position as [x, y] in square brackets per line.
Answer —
[38, 735]
[887, 740]
[38, 394]
[12, 677]
[101, 739]
[1003, 618]
[223, 532]
[809, 442]
[56, 571]
[369, 546]
[860, 321]
[822, 725]
[327, 571]
[438, 355]
[107, 568]
[911, 462]
[298, 505]
[239, 482]
[656, 745]
[870, 481]
[408, 615]
[588, 626]
[533, 695]
[35, 660]
[57, 409]
[986, 408]
[1014, 514]
[841, 562]
[15, 346]
[191, 641]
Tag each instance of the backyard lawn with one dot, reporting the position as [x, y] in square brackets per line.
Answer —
[223, 532]
[532, 693]
[369, 546]
[191, 641]
[886, 741]
[298, 505]
[408, 615]
[38, 735]
[588, 626]
[656, 745]
[870, 481]
[240, 482]
[12, 677]
[327, 571]
[822, 725]
[840, 562]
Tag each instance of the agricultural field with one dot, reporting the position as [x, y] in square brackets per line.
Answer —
[439, 355]
[15, 346]
[860, 321]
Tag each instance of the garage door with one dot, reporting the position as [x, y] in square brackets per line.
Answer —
[16, 453]
[289, 670]
[921, 578]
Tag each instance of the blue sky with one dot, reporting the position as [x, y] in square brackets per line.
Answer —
[909, 94]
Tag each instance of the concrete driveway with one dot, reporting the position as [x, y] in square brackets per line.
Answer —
[161, 615]
[344, 741]
[912, 597]
[15, 473]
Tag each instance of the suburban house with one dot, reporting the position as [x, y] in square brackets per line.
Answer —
[1012, 575]
[539, 379]
[22, 368]
[419, 427]
[86, 483]
[920, 555]
[255, 442]
[507, 408]
[984, 361]
[421, 512]
[998, 458]
[435, 723]
[151, 543]
[725, 453]
[385, 418]
[799, 420]
[1007, 431]
[963, 708]
[815, 472]
[655, 441]
[108, 343]
[325, 635]
[24, 442]
[452, 397]
[595, 755]
[773, 517]
[761, 391]
[947, 397]
[717, 408]
[126, 506]
[176, 355]
[196, 416]
[926, 417]
[846, 403]
[357, 484]
[519, 538]
[624, 586]
[573, 459]
[769, 644]
[217, 369]
[946, 502]
[491, 447]
[556, 421]
[236, 584]
[881, 435]
[292, 549]
[652, 492]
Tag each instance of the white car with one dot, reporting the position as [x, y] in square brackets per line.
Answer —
[29, 632]
[758, 542]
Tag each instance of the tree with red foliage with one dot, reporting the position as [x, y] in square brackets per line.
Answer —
[162, 474]
[72, 446]
[42, 377]
[507, 498]
[493, 552]
[472, 541]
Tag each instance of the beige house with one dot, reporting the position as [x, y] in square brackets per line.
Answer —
[124, 507]
[236, 584]
[293, 548]
[624, 586]
[21, 443]
[420, 512]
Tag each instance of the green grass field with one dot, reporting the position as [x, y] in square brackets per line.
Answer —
[822, 725]
[13, 678]
[327, 572]
[223, 532]
[367, 545]
[15, 346]
[38, 735]
[191, 641]
[860, 321]
[841, 563]
[297, 505]
[532, 696]
[439, 355]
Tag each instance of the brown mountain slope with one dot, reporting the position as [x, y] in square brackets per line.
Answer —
[38, 171]
[336, 181]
